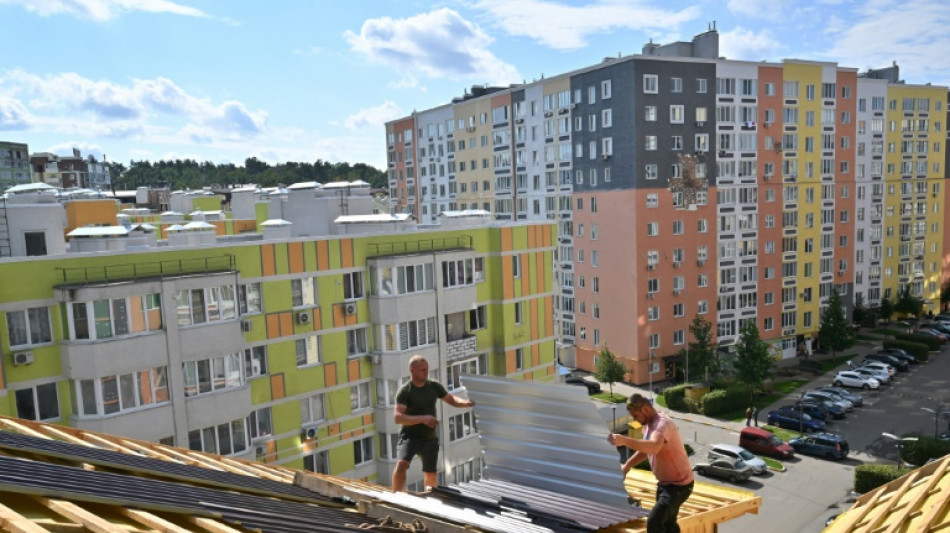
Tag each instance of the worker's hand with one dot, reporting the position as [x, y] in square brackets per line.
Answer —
[612, 439]
[431, 421]
[626, 467]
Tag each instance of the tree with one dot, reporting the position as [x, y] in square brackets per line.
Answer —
[753, 362]
[859, 315]
[834, 332]
[907, 303]
[702, 358]
[609, 369]
[945, 295]
[886, 310]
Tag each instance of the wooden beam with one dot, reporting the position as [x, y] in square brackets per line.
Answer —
[155, 522]
[78, 514]
[211, 525]
[14, 522]
[23, 428]
[149, 451]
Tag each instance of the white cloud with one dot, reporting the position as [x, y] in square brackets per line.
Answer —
[438, 44]
[772, 10]
[66, 148]
[13, 114]
[748, 45]
[103, 10]
[373, 118]
[125, 110]
[565, 27]
[913, 33]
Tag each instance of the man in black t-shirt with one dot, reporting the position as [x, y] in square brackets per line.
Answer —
[415, 412]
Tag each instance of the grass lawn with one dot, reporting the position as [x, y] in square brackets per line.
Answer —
[783, 434]
[608, 398]
[779, 390]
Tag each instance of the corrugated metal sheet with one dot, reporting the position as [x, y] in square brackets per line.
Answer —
[546, 436]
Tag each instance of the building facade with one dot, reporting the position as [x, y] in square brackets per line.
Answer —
[14, 164]
[804, 178]
[288, 351]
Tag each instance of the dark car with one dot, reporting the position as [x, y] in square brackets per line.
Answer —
[812, 409]
[827, 445]
[939, 327]
[592, 387]
[833, 409]
[895, 362]
[795, 421]
[900, 354]
[856, 399]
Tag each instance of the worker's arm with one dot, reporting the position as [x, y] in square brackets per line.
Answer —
[633, 461]
[649, 446]
[400, 417]
[455, 401]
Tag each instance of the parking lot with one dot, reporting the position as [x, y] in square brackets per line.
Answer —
[812, 489]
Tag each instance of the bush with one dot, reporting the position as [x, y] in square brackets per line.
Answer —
[870, 476]
[932, 343]
[731, 398]
[924, 449]
[918, 350]
[692, 406]
[675, 398]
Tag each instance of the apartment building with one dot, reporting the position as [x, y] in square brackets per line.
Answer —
[287, 350]
[685, 184]
[14, 164]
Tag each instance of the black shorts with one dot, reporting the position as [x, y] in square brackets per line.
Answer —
[428, 450]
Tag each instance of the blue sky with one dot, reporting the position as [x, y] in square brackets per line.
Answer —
[296, 80]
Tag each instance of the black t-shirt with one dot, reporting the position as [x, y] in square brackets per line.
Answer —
[419, 401]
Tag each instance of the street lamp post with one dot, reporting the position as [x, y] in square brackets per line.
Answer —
[650, 372]
[801, 413]
[900, 444]
[613, 409]
[936, 412]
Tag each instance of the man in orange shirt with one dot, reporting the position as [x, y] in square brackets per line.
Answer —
[662, 445]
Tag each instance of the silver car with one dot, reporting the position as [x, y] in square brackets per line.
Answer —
[824, 396]
[732, 451]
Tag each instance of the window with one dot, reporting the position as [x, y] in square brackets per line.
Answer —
[595, 258]
[475, 366]
[362, 450]
[360, 396]
[35, 242]
[29, 327]
[676, 85]
[211, 304]
[676, 114]
[650, 172]
[605, 89]
[352, 285]
[518, 313]
[223, 439]
[701, 85]
[516, 266]
[355, 342]
[38, 403]
[654, 340]
[318, 462]
[650, 83]
[653, 229]
[404, 279]
[649, 113]
[205, 376]
[255, 361]
[259, 423]
[649, 143]
[458, 273]
[519, 359]
[308, 351]
[312, 409]
[462, 425]
[407, 335]
[123, 393]
[677, 227]
[303, 291]
[249, 298]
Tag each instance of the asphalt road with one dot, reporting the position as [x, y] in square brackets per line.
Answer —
[812, 489]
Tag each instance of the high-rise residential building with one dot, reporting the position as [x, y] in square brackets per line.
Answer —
[685, 185]
[14, 164]
[71, 171]
[270, 346]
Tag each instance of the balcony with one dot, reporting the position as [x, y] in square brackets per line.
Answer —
[158, 269]
[460, 348]
[463, 242]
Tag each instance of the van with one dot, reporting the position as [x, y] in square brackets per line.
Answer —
[764, 442]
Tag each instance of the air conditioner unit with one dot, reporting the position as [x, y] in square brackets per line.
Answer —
[676, 292]
[309, 432]
[573, 106]
[650, 266]
[841, 272]
[700, 262]
[676, 264]
[650, 295]
[700, 123]
[247, 325]
[519, 121]
[303, 317]
[605, 156]
[22, 358]
[349, 308]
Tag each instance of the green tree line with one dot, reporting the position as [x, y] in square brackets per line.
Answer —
[190, 174]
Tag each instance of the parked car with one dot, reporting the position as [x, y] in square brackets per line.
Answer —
[877, 365]
[727, 468]
[932, 333]
[790, 419]
[853, 397]
[940, 327]
[850, 378]
[826, 445]
[592, 387]
[897, 352]
[812, 409]
[764, 442]
[732, 451]
[824, 396]
[895, 362]
[833, 409]
[880, 375]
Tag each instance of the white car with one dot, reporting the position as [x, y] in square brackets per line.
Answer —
[877, 365]
[731, 451]
[847, 378]
[883, 377]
